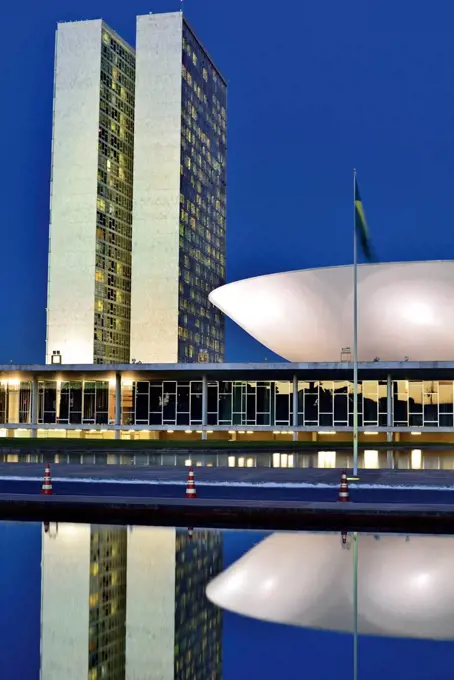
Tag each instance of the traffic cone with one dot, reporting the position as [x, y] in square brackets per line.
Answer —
[46, 488]
[344, 496]
[190, 486]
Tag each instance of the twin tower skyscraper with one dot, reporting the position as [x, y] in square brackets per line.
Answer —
[138, 196]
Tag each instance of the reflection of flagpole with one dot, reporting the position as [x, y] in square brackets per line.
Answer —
[355, 606]
[355, 335]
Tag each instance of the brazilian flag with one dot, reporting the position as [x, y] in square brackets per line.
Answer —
[362, 232]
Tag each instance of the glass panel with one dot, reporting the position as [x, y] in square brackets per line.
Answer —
[415, 397]
[445, 396]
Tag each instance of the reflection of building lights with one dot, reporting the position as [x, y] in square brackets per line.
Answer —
[14, 382]
[188, 462]
[416, 459]
[371, 434]
[371, 459]
[415, 434]
[327, 432]
[188, 431]
[169, 431]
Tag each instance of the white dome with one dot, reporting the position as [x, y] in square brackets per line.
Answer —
[404, 309]
[405, 586]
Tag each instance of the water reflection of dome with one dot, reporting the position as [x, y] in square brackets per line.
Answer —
[405, 588]
[405, 309]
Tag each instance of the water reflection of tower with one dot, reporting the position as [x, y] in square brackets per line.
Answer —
[83, 615]
[173, 631]
[107, 603]
[130, 605]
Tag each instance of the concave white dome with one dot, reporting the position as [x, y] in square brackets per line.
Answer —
[404, 310]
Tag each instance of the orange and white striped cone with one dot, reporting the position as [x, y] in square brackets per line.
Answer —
[46, 488]
[191, 491]
[344, 496]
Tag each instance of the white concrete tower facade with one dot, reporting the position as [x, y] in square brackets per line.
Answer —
[89, 276]
[178, 248]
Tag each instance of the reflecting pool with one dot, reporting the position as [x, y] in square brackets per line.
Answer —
[129, 603]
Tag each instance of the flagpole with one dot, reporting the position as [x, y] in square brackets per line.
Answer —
[355, 335]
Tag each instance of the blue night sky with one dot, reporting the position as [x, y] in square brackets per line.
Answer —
[315, 89]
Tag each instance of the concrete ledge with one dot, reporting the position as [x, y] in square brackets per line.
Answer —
[232, 514]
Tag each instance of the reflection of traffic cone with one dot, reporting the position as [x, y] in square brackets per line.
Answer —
[190, 533]
[46, 527]
[46, 488]
[343, 489]
[190, 486]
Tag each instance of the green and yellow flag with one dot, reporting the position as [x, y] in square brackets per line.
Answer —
[362, 232]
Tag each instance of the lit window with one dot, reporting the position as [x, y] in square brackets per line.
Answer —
[94, 598]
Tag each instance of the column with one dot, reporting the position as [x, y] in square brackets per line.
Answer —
[389, 420]
[117, 405]
[204, 406]
[34, 407]
[295, 407]
[13, 403]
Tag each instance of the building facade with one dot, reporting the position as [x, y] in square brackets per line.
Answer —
[89, 280]
[262, 397]
[399, 405]
[179, 195]
[131, 280]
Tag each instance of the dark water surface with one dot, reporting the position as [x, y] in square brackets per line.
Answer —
[129, 603]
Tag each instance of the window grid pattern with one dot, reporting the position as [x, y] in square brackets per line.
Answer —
[262, 403]
[15, 402]
[75, 403]
[107, 603]
[114, 202]
[198, 623]
[202, 203]
[159, 403]
[423, 404]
